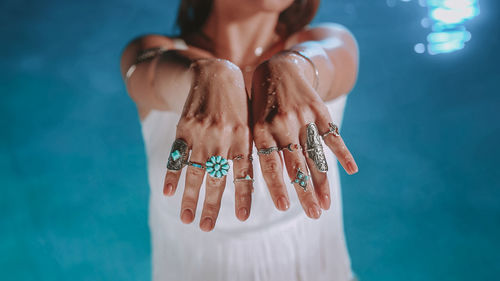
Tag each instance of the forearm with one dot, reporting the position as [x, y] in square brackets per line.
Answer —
[334, 53]
[163, 81]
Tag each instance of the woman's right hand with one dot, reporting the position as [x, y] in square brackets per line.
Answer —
[214, 122]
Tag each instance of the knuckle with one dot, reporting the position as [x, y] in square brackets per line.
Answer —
[194, 172]
[319, 107]
[307, 197]
[188, 202]
[241, 171]
[296, 163]
[241, 131]
[211, 208]
[287, 117]
[244, 198]
[271, 167]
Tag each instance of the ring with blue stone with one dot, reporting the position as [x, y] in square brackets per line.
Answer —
[195, 164]
[217, 166]
[178, 155]
[301, 179]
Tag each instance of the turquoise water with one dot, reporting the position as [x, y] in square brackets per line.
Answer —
[424, 130]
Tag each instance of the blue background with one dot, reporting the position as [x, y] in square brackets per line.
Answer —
[424, 130]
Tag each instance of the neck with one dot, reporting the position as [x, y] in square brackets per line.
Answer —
[240, 33]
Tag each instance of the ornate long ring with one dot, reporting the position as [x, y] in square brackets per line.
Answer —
[332, 129]
[178, 155]
[301, 179]
[195, 164]
[268, 150]
[315, 148]
[246, 178]
[217, 166]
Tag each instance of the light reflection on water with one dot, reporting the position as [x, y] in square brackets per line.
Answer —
[447, 20]
[448, 29]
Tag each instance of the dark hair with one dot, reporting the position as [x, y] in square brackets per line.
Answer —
[193, 14]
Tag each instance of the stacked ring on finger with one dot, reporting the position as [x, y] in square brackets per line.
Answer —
[217, 166]
[241, 157]
[246, 178]
[291, 147]
[332, 129]
[268, 150]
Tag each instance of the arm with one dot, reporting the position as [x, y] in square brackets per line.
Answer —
[163, 82]
[334, 51]
[289, 112]
[209, 94]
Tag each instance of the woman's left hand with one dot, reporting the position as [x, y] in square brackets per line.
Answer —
[284, 102]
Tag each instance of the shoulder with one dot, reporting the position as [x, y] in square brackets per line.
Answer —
[322, 31]
[139, 43]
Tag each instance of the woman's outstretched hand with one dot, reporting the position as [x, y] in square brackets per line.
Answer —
[284, 103]
[214, 122]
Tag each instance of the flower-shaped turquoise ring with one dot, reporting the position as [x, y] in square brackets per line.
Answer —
[217, 166]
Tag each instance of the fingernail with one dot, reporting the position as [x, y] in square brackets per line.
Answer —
[206, 224]
[352, 168]
[187, 216]
[242, 213]
[314, 211]
[168, 189]
[326, 202]
[282, 203]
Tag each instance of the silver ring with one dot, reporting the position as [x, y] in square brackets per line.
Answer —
[195, 164]
[241, 157]
[332, 129]
[291, 147]
[268, 150]
[178, 155]
[246, 178]
[315, 148]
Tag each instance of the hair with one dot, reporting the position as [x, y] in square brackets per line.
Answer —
[193, 14]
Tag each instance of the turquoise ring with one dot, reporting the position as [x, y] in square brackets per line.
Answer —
[217, 166]
[195, 164]
[301, 179]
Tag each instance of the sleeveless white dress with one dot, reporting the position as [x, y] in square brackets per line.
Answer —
[271, 245]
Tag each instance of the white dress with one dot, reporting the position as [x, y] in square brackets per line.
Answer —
[270, 246]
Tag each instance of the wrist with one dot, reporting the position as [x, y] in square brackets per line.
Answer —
[214, 69]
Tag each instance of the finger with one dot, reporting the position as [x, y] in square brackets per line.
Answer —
[194, 179]
[321, 185]
[272, 168]
[243, 175]
[214, 190]
[179, 152]
[243, 184]
[336, 143]
[296, 164]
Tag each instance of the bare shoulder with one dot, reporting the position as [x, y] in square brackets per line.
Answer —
[322, 31]
[143, 42]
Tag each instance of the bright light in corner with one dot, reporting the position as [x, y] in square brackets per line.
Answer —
[448, 30]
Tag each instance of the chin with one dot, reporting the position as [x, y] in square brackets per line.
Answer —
[274, 5]
[269, 5]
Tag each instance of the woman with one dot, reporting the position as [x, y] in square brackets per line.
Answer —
[245, 80]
